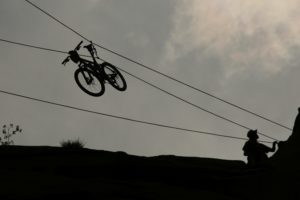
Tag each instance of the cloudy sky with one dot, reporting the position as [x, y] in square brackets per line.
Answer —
[246, 52]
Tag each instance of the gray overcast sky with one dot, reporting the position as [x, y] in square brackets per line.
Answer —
[246, 52]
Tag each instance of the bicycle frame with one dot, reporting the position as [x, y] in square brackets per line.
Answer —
[87, 64]
[93, 72]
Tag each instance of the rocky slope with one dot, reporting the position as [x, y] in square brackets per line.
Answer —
[62, 173]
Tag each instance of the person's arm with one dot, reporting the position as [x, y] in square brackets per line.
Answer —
[274, 146]
[267, 149]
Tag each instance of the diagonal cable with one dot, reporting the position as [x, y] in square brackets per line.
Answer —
[122, 118]
[156, 87]
[158, 72]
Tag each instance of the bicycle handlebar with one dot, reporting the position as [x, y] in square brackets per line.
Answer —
[78, 46]
[67, 59]
[89, 47]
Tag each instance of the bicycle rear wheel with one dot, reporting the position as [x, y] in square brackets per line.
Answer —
[114, 77]
[89, 81]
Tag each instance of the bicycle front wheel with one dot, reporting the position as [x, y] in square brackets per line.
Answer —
[114, 77]
[89, 81]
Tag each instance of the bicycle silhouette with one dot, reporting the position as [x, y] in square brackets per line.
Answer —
[91, 76]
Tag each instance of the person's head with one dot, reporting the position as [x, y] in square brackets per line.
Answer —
[252, 135]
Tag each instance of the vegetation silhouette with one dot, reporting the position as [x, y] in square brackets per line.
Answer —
[8, 132]
[72, 144]
[256, 152]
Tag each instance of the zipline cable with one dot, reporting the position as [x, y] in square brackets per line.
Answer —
[32, 46]
[76, 32]
[37, 47]
[196, 106]
[156, 87]
[123, 118]
[158, 72]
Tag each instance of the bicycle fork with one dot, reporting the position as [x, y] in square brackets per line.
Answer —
[88, 78]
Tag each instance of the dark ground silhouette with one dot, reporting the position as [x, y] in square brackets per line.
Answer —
[58, 173]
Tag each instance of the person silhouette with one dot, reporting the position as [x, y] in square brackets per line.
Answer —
[256, 152]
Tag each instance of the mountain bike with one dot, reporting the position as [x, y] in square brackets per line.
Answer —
[92, 76]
